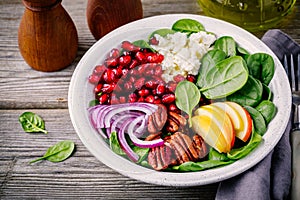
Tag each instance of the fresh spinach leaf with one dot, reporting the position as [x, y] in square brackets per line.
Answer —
[215, 155]
[226, 44]
[141, 152]
[227, 77]
[267, 109]
[187, 97]
[267, 93]
[241, 152]
[209, 60]
[250, 94]
[143, 44]
[162, 32]
[58, 152]
[188, 26]
[199, 166]
[94, 102]
[258, 120]
[115, 145]
[261, 66]
[32, 123]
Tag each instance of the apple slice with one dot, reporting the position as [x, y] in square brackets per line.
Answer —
[209, 131]
[244, 131]
[232, 113]
[221, 120]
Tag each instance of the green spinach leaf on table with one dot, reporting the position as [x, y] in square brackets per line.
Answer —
[58, 152]
[32, 123]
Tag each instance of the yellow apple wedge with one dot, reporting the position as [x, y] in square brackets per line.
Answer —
[209, 131]
[244, 131]
[221, 120]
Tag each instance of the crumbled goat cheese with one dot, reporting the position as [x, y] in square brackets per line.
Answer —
[182, 54]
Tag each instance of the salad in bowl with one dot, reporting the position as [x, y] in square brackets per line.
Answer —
[183, 100]
[179, 98]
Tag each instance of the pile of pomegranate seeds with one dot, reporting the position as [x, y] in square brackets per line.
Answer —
[134, 75]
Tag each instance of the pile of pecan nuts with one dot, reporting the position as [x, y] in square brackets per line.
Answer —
[180, 144]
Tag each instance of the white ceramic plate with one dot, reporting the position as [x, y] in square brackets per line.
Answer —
[81, 92]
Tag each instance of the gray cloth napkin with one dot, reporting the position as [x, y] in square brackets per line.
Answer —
[271, 178]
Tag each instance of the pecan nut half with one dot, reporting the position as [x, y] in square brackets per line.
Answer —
[175, 122]
[157, 120]
[161, 157]
[187, 149]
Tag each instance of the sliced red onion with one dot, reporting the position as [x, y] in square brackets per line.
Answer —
[123, 143]
[141, 143]
[123, 108]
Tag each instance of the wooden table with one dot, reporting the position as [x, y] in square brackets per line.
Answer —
[24, 89]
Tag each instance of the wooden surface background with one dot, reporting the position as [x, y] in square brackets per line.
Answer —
[24, 89]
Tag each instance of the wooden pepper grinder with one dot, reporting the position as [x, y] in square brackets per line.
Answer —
[105, 15]
[48, 39]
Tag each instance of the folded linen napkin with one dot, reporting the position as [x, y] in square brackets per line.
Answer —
[271, 178]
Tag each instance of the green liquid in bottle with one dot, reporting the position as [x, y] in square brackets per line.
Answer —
[253, 15]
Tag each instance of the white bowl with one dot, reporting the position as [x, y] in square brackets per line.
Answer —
[81, 92]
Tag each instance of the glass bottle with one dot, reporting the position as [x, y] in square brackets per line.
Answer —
[253, 15]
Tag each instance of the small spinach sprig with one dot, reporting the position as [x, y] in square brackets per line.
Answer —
[32, 123]
[58, 152]
[187, 97]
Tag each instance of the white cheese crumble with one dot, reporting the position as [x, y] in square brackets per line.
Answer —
[182, 54]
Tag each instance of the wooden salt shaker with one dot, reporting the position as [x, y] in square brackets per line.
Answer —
[48, 39]
[105, 15]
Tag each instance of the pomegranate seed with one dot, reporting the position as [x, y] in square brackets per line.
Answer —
[157, 100]
[114, 53]
[149, 72]
[168, 98]
[191, 78]
[132, 79]
[109, 76]
[122, 99]
[160, 58]
[140, 56]
[133, 64]
[139, 83]
[178, 78]
[152, 57]
[143, 92]
[108, 88]
[103, 98]
[111, 62]
[141, 99]
[172, 107]
[153, 41]
[151, 84]
[118, 88]
[98, 88]
[128, 86]
[125, 60]
[124, 72]
[128, 46]
[133, 72]
[160, 89]
[132, 97]
[171, 86]
[94, 79]
[149, 99]
[158, 70]
[141, 69]
[154, 92]
[114, 100]
[99, 69]
[118, 71]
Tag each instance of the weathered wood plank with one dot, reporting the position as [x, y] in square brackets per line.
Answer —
[22, 87]
[82, 175]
